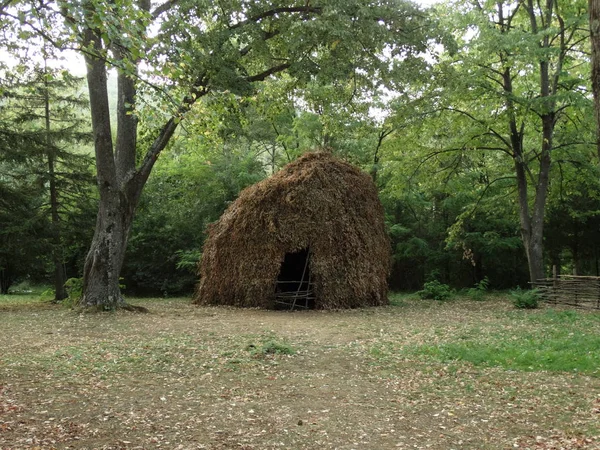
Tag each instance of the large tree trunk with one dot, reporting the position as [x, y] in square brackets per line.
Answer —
[533, 243]
[120, 183]
[594, 11]
[105, 258]
[532, 220]
[107, 252]
[532, 228]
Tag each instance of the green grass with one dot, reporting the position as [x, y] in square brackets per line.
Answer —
[555, 341]
[401, 298]
[542, 340]
[28, 297]
[529, 353]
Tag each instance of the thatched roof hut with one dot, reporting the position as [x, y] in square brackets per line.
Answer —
[311, 235]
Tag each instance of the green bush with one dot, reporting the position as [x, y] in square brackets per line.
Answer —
[525, 299]
[479, 290]
[74, 287]
[47, 295]
[436, 291]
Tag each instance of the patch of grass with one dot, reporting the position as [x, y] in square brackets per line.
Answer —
[530, 354]
[556, 341]
[557, 317]
[400, 298]
[23, 298]
[270, 347]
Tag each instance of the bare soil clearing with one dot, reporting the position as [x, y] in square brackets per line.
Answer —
[216, 378]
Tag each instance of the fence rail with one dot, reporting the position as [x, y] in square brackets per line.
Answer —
[572, 290]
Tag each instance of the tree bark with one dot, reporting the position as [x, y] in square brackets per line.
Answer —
[531, 227]
[107, 253]
[594, 12]
[120, 183]
[105, 257]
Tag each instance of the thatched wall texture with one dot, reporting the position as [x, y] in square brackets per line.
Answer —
[317, 202]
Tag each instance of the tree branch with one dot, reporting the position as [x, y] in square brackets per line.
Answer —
[163, 8]
[200, 89]
[267, 35]
[274, 12]
[470, 116]
[267, 73]
[485, 191]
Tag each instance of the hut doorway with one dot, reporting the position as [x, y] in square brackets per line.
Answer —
[294, 287]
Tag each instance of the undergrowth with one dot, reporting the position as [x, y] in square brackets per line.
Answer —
[436, 291]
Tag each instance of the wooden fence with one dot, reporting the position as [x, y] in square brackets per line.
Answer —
[573, 290]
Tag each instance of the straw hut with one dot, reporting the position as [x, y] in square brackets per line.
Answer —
[310, 236]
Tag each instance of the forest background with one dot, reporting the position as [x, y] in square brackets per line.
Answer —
[475, 120]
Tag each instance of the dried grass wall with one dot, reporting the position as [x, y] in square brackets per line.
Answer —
[317, 202]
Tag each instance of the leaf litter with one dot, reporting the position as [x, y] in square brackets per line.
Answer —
[220, 378]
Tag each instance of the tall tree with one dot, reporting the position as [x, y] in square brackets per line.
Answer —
[594, 13]
[190, 49]
[21, 197]
[61, 105]
[513, 83]
[47, 105]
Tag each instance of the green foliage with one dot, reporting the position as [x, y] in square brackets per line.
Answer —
[450, 173]
[436, 291]
[270, 347]
[573, 217]
[47, 295]
[478, 292]
[74, 287]
[46, 183]
[191, 189]
[24, 287]
[22, 226]
[398, 298]
[188, 260]
[525, 299]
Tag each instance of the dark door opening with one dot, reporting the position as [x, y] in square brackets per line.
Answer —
[294, 289]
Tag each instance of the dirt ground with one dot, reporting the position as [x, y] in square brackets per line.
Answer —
[184, 377]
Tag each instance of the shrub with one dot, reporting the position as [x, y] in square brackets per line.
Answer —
[47, 295]
[436, 291]
[478, 291]
[525, 299]
[74, 287]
